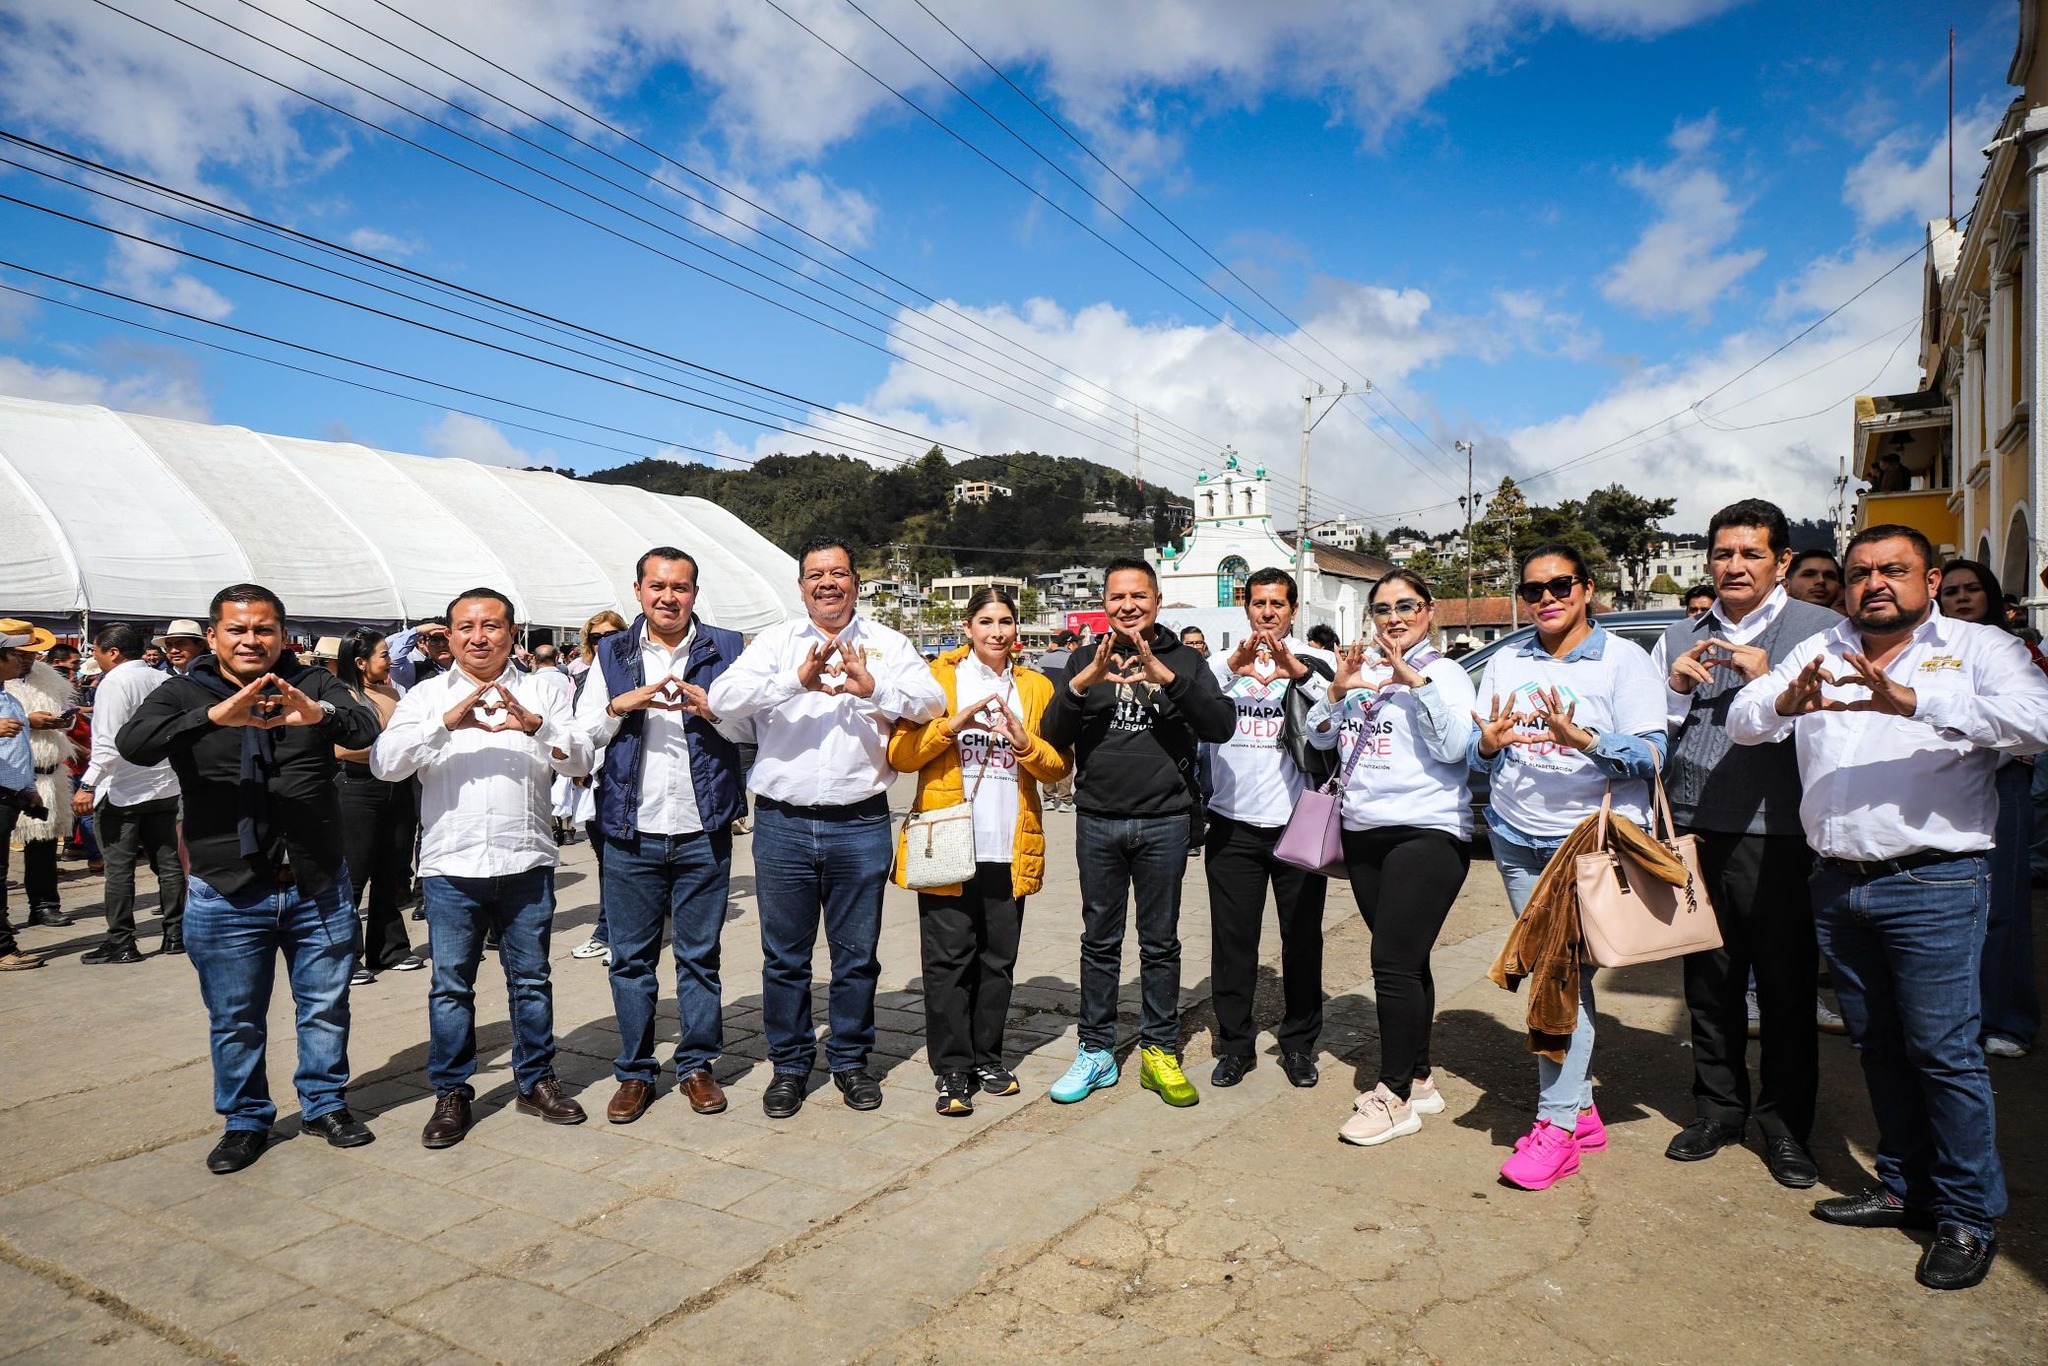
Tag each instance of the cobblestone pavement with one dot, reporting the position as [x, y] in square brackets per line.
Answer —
[1118, 1228]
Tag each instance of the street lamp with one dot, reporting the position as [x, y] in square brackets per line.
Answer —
[1469, 505]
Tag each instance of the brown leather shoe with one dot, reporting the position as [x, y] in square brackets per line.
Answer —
[629, 1102]
[450, 1124]
[703, 1092]
[547, 1101]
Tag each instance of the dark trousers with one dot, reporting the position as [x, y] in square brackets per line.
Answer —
[600, 931]
[147, 829]
[673, 885]
[1117, 856]
[8, 942]
[1240, 865]
[820, 866]
[378, 822]
[1404, 879]
[1906, 950]
[969, 945]
[38, 871]
[2012, 1001]
[1759, 887]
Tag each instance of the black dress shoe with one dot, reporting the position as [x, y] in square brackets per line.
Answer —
[1871, 1209]
[238, 1148]
[340, 1128]
[1790, 1163]
[173, 944]
[784, 1096]
[1701, 1139]
[1300, 1069]
[1230, 1069]
[1957, 1258]
[55, 919]
[109, 953]
[861, 1091]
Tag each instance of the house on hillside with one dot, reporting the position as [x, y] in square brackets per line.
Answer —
[978, 491]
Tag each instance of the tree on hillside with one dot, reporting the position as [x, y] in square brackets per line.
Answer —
[1813, 534]
[1495, 536]
[1626, 525]
[1375, 544]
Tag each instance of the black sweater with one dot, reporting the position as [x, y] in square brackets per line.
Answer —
[305, 814]
[1134, 744]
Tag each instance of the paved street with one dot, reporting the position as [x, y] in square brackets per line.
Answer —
[1117, 1228]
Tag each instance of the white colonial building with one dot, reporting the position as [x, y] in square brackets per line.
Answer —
[1203, 582]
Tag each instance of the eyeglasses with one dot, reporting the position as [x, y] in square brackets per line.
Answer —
[1406, 607]
[1559, 588]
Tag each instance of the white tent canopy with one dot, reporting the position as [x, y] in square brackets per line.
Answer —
[117, 514]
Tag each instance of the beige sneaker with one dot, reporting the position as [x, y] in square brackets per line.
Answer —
[19, 962]
[1379, 1116]
[1423, 1095]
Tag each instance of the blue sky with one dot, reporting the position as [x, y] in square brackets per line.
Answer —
[1537, 225]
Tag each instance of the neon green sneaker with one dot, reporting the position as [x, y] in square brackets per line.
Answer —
[1159, 1070]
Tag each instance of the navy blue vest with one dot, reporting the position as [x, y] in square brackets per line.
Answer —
[714, 760]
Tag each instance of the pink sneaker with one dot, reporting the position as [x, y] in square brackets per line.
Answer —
[1545, 1157]
[1590, 1133]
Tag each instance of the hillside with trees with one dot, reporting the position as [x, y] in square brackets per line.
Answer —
[1043, 525]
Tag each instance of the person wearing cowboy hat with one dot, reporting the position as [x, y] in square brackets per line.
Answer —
[182, 642]
[38, 697]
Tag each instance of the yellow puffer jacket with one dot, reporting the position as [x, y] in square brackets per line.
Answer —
[933, 754]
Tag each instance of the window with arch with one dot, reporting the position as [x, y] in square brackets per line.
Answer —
[1230, 581]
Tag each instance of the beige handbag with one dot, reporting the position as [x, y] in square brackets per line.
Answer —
[938, 846]
[1627, 916]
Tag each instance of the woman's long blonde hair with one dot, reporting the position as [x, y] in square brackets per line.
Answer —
[602, 619]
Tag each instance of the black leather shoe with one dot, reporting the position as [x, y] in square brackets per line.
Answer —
[55, 919]
[784, 1096]
[862, 1092]
[1230, 1069]
[1871, 1209]
[1790, 1163]
[340, 1128]
[1701, 1139]
[238, 1148]
[108, 953]
[173, 944]
[1957, 1258]
[1300, 1069]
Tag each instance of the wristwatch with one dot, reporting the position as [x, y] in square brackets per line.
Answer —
[327, 708]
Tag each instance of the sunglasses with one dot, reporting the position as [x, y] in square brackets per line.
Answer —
[1406, 607]
[1559, 588]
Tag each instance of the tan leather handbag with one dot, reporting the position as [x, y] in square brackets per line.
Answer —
[1627, 915]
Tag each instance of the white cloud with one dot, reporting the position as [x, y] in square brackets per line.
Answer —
[389, 246]
[1906, 172]
[1678, 265]
[458, 436]
[143, 379]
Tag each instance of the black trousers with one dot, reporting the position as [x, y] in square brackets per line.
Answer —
[1240, 865]
[1404, 879]
[378, 822]
[969, 944]
[1759, 887]
[38, 870]
[129, 834]
[8, 942]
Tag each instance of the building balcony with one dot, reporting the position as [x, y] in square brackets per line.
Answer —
[1927, 511]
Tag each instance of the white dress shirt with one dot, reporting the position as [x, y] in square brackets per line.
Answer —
[818, 749]
[114, 780]
[1678, 705]
[1885, 787]
[484, 795]
[668, 792]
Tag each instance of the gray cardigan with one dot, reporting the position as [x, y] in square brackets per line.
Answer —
[1714, 783]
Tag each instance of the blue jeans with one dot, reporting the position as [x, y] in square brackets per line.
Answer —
[234, 942]
[521, 907]
[813, 862]
[1905, 951]
[2012, 1003]
[678, 882]
[1565, 1088]
[1116, 857]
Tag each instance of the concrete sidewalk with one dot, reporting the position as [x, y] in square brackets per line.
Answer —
[1238, 1228]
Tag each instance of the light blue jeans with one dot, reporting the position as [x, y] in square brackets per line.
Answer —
[1565, 1088]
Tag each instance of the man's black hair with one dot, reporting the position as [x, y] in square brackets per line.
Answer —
[124, 640]
[1130, 564]
[1754, 512]
[667, 552]
[244, 593]
[819, 543]
[1273, 574]
[511, 612]
[1887, 531]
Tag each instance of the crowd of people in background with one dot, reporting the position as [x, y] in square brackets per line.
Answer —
[1848, 742]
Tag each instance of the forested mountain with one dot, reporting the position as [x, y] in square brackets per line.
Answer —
[1038, 528]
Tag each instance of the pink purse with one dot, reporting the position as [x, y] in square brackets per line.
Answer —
[1314, 837]
[1627, 916]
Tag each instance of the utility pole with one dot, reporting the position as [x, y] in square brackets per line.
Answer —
[1469, 504]
[1514, 598]
[1309, 422]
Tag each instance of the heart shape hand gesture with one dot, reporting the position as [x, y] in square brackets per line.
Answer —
[265, 704]
[491, 708]
[1804, 696]
[836, 667]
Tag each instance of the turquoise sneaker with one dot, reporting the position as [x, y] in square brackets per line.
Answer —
[1093, 1069]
